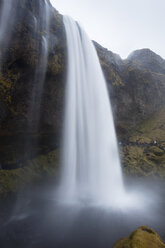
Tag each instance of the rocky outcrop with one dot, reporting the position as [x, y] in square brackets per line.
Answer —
[144, 152]
[17, 82]
[145, 59]
[143, 237]
[136, 87]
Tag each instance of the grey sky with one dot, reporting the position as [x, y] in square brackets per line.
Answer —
[120, 25]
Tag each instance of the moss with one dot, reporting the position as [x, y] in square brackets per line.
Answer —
[56, 65]
[152, 128]
[143, 237]
[140, 140]
[34, 171]
[144, 153]
[140, 162]
[110, 74]
[5, 89]
[156, 150]
[7, 82]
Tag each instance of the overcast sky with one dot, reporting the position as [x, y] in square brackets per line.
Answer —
[120, 25]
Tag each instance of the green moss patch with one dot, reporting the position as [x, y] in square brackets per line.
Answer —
[34, 171]
[144, 153]
[143, 237]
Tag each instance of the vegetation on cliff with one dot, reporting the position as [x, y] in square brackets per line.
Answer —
[17, 82]
[136, 87]
[144, 151]
[143, 237]
[33, 171]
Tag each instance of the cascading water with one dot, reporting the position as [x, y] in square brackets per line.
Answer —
[91, 170]
[42, 65]
[6, 21]
[41, 26]
[6, 9]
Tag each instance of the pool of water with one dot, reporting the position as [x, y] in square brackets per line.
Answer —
[38, 220]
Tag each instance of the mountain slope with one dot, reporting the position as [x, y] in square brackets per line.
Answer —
[136, 87]
[137, 90]
[147, 60]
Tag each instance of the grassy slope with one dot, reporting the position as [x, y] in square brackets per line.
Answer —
[144, 154]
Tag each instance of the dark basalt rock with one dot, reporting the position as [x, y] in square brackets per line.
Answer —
[17, 80]
[136, 87]
[147, 60]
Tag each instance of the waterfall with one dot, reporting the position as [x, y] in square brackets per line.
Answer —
[6, 9]
[91, 170]
[41, 69]
[42, 33]
[7, 17]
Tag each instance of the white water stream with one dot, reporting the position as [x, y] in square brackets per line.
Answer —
[91, 170]
[36, 99]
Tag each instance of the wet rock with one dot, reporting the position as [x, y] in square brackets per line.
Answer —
[143, 237]
[136, 88]
[17, 81]
[33, 171]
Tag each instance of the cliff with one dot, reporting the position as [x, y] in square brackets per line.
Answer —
[136, 87]
[18, 82]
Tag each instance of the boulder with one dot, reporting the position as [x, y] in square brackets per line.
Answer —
[143, 237]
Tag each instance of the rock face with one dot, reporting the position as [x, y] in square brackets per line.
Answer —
[35, 171]
[143, 237]
[147, 60]
[20, 51]
[17, 82]
[136, 87]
